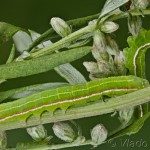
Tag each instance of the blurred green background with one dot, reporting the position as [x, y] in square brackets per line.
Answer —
[35, 15]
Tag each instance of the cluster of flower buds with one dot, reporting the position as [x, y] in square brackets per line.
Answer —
[65, 132]
[109, 60]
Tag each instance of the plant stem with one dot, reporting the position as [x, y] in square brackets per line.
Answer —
[98, 108]
[80, 22]
[74, 23]
[61, 43]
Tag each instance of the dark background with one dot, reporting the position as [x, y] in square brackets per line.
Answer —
[35, 15]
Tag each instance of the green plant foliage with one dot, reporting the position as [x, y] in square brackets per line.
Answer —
[135, 54]
[42, 64]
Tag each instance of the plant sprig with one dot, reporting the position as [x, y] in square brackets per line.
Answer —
[39, 54]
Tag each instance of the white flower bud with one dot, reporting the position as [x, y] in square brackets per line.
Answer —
[60, 26]
[109, 27]
[141, 4]
[125, 115]
[112, 47]
[38, 133]
[99, 46]
[119, 61]
[99, 134]
[3, 140]
[64, 131]
[134, 25]
[91, 67]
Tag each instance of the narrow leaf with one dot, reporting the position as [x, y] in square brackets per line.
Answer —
[35, 35]
[111, 5]
[29, 90]
[67, 71]
[41, 64]
[11, 55]
[72, 75]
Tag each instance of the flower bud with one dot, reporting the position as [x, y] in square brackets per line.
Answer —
[141, 4]
[112, 47]
[3, 140]
[64, 131]
[99, 46]
[60, 26]
[109, 27]
[91, 67]
[104, 67]
[134, 24]
[38, 133]
[119, 61]
[100, 69]
[22, 41]
[107, 68]
[98, 134]
[125, 115]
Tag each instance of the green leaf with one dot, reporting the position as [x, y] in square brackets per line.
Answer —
[41, 64]
[67, 71]
[29, 90]
[7, 31]
[111, 5]
[135, 53]
[35, 36]
[11, 55]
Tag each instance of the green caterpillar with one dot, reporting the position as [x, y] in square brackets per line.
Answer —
[66, 96]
